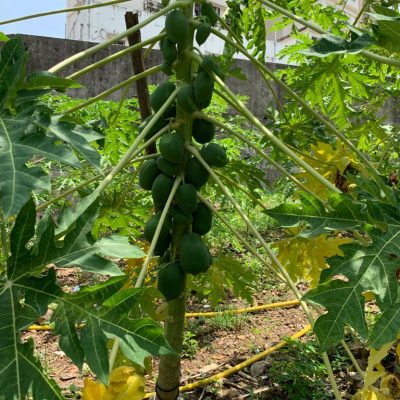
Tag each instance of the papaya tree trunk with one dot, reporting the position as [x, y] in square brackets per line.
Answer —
[167, 387]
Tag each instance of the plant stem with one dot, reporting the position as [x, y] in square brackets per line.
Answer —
[115, 56]
[273, 257]
[61, 11]
[120, 85]
[79, 56]
[384, 60]
[352, 358]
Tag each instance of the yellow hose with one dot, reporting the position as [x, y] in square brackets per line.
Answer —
[288, 303]
[238, 367]
[243, 310]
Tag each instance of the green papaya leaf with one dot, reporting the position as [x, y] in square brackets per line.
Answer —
[345, 214]
[362, 269]
[386, 329]
[30, 286]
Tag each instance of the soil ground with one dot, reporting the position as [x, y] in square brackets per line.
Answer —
[211, 347]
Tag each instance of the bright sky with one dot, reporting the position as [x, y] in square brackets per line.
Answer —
[44, 26]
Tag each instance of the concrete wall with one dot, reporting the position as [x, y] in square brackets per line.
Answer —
[46, 52]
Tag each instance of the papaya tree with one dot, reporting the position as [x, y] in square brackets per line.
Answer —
[342, 190]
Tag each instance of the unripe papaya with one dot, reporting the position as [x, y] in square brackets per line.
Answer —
[202, 220]
[186, 198]
[208, 64]
[168, 168]
[196, 174]
[207, 10]
[203, 131]
[179, 217]
[171, 280]
[161, 189]
[194, 256]
[203, 87]
[186, 100]
[172, 147]
[164, 3]
[177, 27]
[166, 257]
[148, 173]
[169, 51]
[161, 95]
[160, 123]
[203, 32]
[162, 245]
[214, 154]
[151, 226]
[167, 69]
[171, 112]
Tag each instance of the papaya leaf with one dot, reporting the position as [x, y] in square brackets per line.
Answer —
[362, 269]
[386, 329]
[345, 214]
[12, 69]
[30, 286]
[227, 272]
[27, 130]
[330, 44]
[305, 258]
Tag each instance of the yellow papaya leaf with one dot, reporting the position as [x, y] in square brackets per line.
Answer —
[93, 390]
[331, 164]
[125, 384]
[370, 394]
[390, 386]
[305, 258]
[375, 371]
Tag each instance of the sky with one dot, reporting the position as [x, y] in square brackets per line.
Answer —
[44, 26]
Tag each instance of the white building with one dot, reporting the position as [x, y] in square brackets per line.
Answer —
[99, 24]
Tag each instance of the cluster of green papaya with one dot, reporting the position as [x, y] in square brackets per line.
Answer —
[187, 219]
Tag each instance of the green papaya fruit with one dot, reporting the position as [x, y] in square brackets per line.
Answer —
[214, 155]
[194, 256]
[179, 217]
[167, 69]
[166, 257]
[208, 64]
[151, 226]
[161, 189]
[161, 95]
[202, 220]
[202, 131]
[148, 172]
[164, 3]
[162, 245]
[196, 174]
[171, 280]
[177, 27]
[186, 100]
[186, 198]
[203, 87]
[172, 147]
[207, 10]
[168, 168]
[169, 51]
[203, 32]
